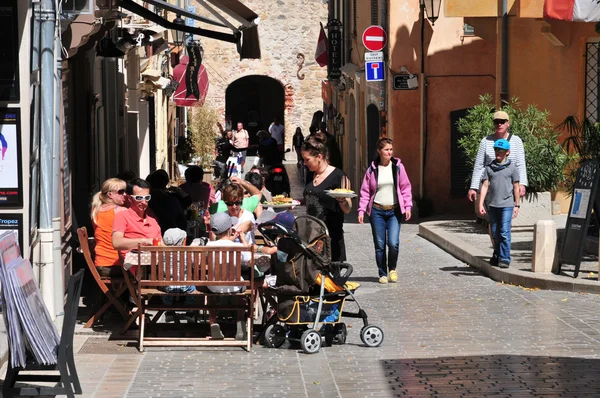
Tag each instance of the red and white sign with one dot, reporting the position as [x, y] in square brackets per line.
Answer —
[572, 10]
[374, 38]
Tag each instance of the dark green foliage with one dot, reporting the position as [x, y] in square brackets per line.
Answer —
[583, 141]
[185, 150]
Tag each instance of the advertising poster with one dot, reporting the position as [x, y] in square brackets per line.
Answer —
[11, 193]
[12, 222]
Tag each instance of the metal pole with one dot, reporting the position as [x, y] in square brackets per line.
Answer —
[58, 263]
[48, 29]
[504, 60]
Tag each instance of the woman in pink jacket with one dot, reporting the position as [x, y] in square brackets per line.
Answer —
[385, 195]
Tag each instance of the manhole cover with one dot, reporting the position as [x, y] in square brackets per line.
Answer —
[108, 347]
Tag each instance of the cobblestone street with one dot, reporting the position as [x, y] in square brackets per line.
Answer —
[449, 331]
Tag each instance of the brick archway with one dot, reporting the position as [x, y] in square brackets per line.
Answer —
[255, 100]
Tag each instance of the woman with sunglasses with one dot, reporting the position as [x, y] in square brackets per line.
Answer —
[243, 219]
[105, 204]
[486, 154]
[318, 203]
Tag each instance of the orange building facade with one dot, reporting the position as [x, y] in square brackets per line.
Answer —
[552, 64]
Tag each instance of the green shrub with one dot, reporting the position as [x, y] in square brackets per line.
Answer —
[583, 142]
[203, 130]
[545, 157]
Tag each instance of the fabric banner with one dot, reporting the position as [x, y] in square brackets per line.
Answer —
[572, 10]
[321, 52]
[191, 75]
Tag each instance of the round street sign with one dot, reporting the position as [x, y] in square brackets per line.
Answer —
[374, 38]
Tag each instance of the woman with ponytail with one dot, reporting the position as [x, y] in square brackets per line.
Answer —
[318, 204]
[105, 204]
[386, 196]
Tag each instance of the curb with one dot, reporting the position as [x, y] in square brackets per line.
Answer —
[479, 260]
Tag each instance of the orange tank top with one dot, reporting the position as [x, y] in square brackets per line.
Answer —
[106, 255]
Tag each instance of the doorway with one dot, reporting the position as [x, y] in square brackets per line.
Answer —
[352, 160]
[255, 100]
[372, 132]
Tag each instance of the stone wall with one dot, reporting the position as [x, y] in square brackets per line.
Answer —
[288, 31]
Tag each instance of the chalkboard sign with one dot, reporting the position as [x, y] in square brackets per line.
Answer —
[584, 199]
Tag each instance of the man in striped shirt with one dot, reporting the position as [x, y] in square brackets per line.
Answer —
[486, 154]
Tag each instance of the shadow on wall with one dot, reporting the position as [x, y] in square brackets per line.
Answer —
[456, 77]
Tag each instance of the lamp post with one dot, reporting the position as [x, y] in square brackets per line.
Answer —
[432, 8]
[178, 34]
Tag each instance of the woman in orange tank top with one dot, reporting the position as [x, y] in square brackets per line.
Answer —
[104, 206]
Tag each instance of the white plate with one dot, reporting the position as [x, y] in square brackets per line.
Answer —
[335, 194]
[282, 205]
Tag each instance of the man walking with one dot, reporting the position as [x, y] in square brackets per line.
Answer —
[278, 133]
[240, 142]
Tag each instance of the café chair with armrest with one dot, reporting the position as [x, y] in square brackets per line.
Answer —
[112, 287]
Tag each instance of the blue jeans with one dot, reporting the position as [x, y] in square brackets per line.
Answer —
[500, 223]
[385, 225]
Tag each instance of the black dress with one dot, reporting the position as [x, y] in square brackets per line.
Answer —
[326, 208]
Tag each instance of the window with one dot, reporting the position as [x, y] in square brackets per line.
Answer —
[592, 83]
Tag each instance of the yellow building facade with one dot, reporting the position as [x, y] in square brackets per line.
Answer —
[552, 64]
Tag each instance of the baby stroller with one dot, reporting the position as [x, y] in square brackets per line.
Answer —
[311, 290]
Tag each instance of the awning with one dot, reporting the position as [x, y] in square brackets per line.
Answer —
[250, 43]
[245, 36]
[179, 74]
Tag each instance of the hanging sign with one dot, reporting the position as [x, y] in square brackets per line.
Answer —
[193, 66]
[334, 64]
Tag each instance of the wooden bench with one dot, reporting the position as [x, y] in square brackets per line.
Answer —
[199, 267]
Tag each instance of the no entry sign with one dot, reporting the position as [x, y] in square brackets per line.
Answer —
[374, 38]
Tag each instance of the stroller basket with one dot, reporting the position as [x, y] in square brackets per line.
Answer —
[298, 310]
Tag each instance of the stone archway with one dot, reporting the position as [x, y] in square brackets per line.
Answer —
[255, 100]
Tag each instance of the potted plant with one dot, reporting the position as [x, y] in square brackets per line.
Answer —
[544, 156]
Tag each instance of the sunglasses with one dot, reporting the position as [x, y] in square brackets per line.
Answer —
[238, 203]
[499, 121]
[121, 191]
[139, 198]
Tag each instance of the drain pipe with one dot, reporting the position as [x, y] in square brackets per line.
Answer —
[383, 100]
[504, 59]
[56, 217]
[422, 85]
[37, 118]
[46, 264]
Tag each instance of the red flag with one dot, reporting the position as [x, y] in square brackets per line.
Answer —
[321, 53]
[572, 10]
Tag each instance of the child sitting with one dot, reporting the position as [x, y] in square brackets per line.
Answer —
[499, 197]
[222, 227]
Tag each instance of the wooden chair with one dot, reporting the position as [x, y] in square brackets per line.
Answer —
[112, 287]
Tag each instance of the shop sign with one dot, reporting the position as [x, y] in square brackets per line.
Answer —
[11, 192]
[12, 222]
[334, 28]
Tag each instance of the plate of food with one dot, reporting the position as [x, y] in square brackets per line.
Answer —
[281, 202]
[341, 193]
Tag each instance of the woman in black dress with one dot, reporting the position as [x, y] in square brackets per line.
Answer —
[318, 203]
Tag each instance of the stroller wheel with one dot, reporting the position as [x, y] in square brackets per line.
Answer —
[310, 341]
[274, 336]
[341, 332]
[371, 335]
